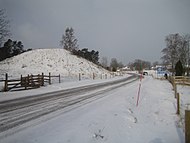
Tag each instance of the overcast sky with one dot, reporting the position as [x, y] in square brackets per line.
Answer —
[122, 29]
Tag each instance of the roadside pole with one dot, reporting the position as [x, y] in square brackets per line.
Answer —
[138, 96]
[187, 126]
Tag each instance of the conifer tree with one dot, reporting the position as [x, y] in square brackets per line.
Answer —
[69, 42]
[178, 69]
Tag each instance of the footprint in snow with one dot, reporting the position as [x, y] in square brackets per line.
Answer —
[132, 119]
[99, 135]
[130, 110]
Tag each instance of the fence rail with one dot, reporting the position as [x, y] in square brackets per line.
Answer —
[183, 80]
[27, 82]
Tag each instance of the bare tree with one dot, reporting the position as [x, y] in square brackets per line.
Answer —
[120, 65]
[4, 27]
[177, 48]
[138, 65]
[104, 62]
[114, 64]
[187, 50]
[170, 52]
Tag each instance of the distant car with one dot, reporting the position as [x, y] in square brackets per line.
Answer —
[145, 73]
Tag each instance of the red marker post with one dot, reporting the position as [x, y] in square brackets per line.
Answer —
[139, 89]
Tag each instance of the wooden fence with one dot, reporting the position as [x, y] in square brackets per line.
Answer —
[182, 80]
[35, 81]
[178, 80]
[27, 82]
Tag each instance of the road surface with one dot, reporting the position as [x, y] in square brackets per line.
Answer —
[16, 112]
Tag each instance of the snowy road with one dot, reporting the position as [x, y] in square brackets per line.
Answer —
[19, 111]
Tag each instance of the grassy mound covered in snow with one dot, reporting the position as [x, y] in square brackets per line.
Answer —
[56, 61]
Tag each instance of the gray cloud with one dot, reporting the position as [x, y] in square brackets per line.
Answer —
[124, 29]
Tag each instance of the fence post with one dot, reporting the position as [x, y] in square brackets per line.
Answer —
[178, 105]
[79, 76]
[42, 80]
[6, 82]
[32, 80]
[28, 83]
[93, 76]
[25, 82]
[175, 89]
[39, 79]
[183, 79]
[49, 78]
[172, 80]
[59, 78]
[21, 82]
[187, 126]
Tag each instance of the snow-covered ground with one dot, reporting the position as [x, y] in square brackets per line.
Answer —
[113, 118]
